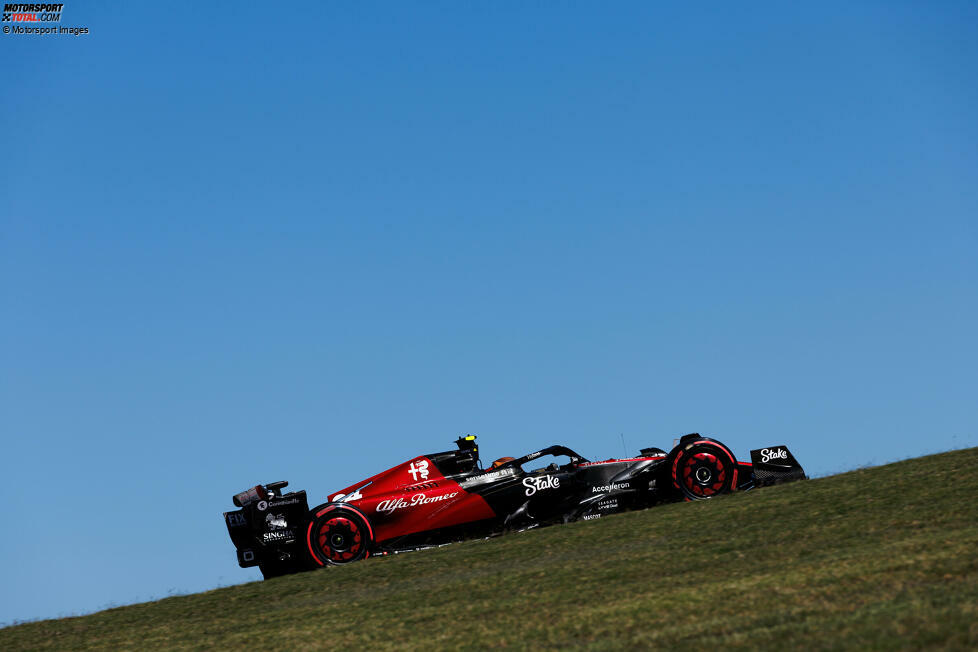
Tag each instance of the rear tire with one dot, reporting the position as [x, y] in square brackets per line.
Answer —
[338, 535]
[703, 469]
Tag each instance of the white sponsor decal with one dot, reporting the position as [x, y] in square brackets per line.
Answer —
[590, 517]
[534, 485]
[394, 504]
[494, 475]
[277, 535]
[615, 486]
[262, 506]
[275, 521]
[419, 468]
[489, 476]
[346, 498]
[774, 454]
[279, 503]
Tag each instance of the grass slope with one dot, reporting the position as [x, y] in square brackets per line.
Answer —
[880, 558]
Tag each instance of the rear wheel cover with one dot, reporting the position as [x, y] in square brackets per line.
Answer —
[338, 536]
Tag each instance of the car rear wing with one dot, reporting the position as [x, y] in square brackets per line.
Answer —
[773, 465]
[269, 523]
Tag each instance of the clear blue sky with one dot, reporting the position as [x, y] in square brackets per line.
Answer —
[241, 243]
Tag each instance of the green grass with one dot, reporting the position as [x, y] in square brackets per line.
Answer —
[880, 558]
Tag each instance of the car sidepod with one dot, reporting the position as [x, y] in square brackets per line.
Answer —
[616, 486]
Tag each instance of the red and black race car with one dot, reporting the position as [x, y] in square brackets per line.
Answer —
[444, 497]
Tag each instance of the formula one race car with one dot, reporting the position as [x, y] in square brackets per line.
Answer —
[444, 497]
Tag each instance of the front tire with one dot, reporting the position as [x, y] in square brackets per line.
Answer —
[338, 535]
[703, 469]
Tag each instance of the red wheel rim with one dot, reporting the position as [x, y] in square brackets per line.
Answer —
[340, 539]
[703, 474]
